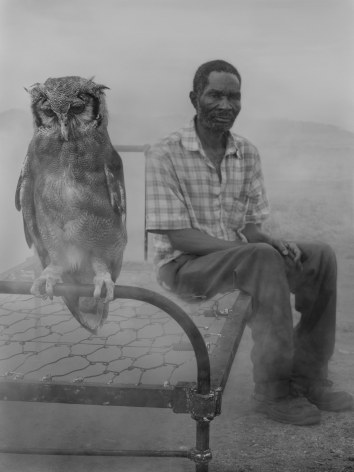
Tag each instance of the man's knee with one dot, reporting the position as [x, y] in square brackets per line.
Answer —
[266, 253]
[322, 252]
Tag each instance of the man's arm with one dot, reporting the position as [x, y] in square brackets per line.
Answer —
[254, 234]
[193, 241]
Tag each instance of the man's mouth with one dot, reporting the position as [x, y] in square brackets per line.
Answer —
[223, 117]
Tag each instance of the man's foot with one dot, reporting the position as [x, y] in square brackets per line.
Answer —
[292, 410]
[322, 394]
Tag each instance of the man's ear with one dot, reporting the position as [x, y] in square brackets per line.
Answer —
[193, 98]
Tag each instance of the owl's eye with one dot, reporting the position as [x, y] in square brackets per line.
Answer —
[48, 112]
[77, 108]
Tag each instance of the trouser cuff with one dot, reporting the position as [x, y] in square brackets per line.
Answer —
[280, 388]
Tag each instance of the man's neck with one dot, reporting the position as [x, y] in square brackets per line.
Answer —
[214, 140]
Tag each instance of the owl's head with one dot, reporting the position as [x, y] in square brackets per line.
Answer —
[68, 105]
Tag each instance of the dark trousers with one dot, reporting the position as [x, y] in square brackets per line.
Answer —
[281, 354]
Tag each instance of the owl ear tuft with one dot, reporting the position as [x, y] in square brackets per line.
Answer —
[100, 88]
[36, 92]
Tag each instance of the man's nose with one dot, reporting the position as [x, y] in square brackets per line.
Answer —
[225, 104]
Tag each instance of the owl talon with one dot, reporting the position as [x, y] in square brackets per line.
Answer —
[99, 281]
[43, 286]
[37, 289]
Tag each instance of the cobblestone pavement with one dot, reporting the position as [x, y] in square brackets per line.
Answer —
[138, 344]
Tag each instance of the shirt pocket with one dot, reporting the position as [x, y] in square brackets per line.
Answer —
[235, 217]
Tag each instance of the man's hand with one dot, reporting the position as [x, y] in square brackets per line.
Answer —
[288, 249]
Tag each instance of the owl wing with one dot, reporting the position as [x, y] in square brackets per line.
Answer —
[113, 168]
[24, 200]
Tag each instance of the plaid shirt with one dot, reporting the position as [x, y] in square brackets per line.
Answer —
[183, 189]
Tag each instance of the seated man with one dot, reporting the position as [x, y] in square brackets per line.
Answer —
[206, 202]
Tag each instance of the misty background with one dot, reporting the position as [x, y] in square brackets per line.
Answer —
[296, 62]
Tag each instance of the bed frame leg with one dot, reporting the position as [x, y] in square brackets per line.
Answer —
[201, 455]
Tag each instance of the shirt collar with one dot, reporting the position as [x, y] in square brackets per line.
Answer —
[191, 141]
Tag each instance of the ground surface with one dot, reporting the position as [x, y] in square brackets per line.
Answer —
[241, 440]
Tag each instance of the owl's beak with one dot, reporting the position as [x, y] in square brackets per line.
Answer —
[63, 119]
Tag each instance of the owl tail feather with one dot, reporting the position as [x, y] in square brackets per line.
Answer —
[90, 320]
[88, 311]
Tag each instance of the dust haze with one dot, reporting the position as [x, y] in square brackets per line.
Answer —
[298, 108]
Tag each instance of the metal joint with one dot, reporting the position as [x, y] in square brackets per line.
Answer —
[204, 408]
[201, 457]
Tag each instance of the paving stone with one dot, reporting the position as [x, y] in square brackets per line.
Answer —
[178, 357]
[134, 351]
[50, 320]
[151, 331]
[77, 335]
[10, 317]
[149, 361]
[8, 298]
[124, 303]
[161, 317]
[166, 341]
[83, 349]
[66, 367]
[109, 329]
[86, 372]
[65, 326]
[160, 350]
[10, 350]
[105, 354]
[128, 377]
[2, 311]
[135, 323]
[24, 304]
[147, 309]
[48, 309]
[141, 343]
[172, 327]
[34, 347]
[157, 376]
[187, 372]
[102, 379]
[19, 326]
[50, 338]
[119, 365]
[122, 338]
[124, 311]
[13, 363]
[31, 334]
[47, 356]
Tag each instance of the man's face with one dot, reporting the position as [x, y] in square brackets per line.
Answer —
[220, 102]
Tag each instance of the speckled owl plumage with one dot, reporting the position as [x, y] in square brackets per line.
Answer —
[72, 195]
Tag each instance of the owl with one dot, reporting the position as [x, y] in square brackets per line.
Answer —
[72, 195]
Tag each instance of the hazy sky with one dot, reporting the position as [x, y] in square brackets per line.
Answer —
[295, 56]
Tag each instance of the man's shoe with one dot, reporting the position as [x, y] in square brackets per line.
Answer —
[321, 394]
[292, 410]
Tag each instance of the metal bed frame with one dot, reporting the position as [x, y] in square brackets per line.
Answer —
[201, 399]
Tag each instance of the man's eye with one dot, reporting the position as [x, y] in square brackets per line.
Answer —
[77, 109]
[48, 112]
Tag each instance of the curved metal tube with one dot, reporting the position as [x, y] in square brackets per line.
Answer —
[145, 295]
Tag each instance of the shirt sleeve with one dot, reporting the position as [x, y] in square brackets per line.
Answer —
[165, 205]
[258, 205]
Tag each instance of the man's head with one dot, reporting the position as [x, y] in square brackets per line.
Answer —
[216, 95]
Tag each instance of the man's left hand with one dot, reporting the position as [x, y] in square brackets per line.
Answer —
[288, 249]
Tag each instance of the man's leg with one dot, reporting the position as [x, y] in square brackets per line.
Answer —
[259, 270]
[315, 289]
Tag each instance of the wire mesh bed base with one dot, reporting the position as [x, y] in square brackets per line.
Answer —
[183, 360]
